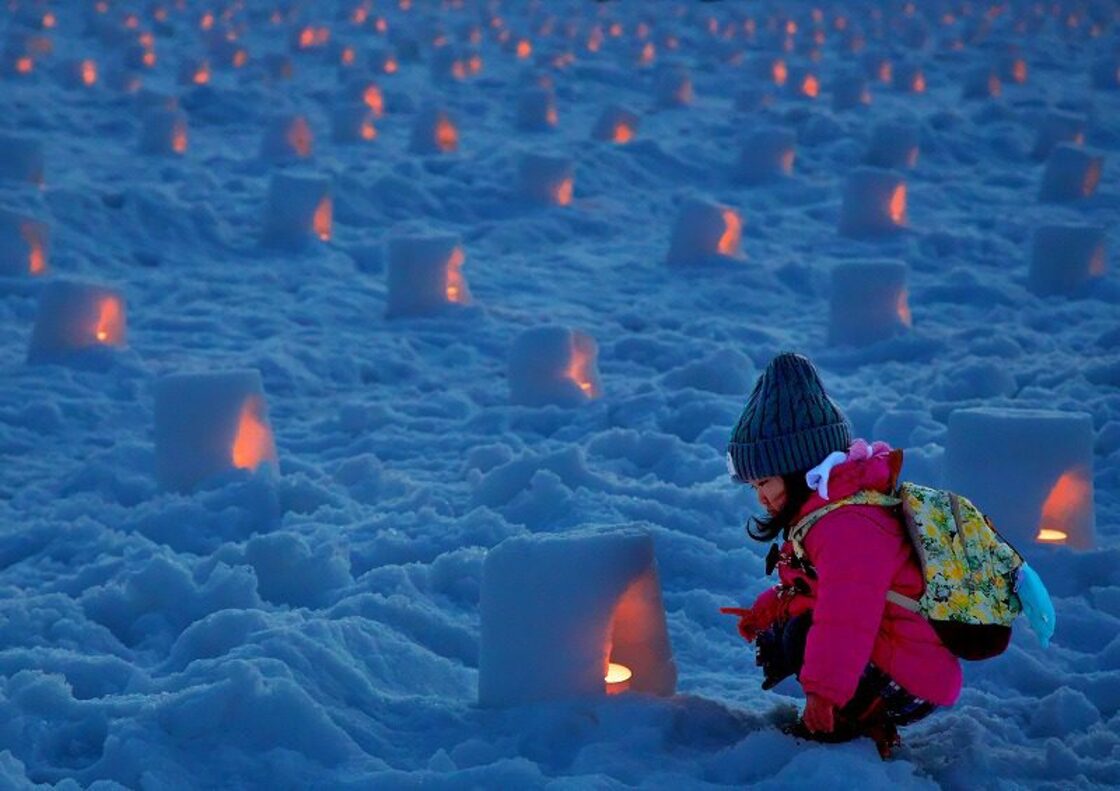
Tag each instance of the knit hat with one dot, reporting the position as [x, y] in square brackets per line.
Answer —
[788, 424]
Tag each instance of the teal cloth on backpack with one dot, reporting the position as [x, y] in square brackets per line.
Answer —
[1036, 604]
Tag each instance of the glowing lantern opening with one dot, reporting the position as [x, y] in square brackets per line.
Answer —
[897, 206]
[390, 66]
[1047, 534]
[149, 59]
[648, 53]
[551, 117]
[474, 64]
[617, 678]
[368, 131]
[779, 72]
[810, 87]
[207, 21]
[179, 138]
[201, 75]
[110, 322]
[253, 444]
[623, 133]
[563, 194]
[733, 227]
[49, 20]
[455, 290]
[299, 137]
[1092, 178]
[347, 56]
[524, 49]
[321, 220]
[578, 369]
[447, 137]
[24, 65]
[1019, 71]
[88, 72]
[239, 58]
[306, 38]
[1062, 506]
[374, 100]
[918, 83]
[36, 257]
[903, 309]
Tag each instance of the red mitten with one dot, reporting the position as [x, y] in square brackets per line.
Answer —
[747, 626]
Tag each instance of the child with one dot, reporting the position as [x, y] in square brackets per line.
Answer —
[867, 664]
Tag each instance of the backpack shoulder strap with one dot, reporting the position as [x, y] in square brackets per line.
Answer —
[798, 532]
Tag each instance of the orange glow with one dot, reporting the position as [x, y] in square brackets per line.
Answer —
[49, 20]
[207, 21]
[456, 291]
[1097, 263]
[160, 14]
[390, 66]
[306, 38]
[447, 136]
[299, 137]
[381, 26]
[36, 258]
[179, 137]
[524, 49]
[369, 131]
[110, 322]
[374, 100]
[459, 70]
[617, 678]
[88, 70]
[132, 21]
[348, 56]
[902, 307]
[239, 58]
[359, 15]
[791, 28]
[623, 133]
[474, 64]
[149, 59]
[563, 192]
[897, 207]
[551, 117]
[779, 72]
[252, 446]
[648, 53]
[24, 65]
[321, 221]
[732, 233]
[1092, 178]
[918, 84]
[810, 86]
[886, 71]
[578, 370]
[595, 40]
[615, 29]
[201, 75]
[1062, 507]
[786, 161]
[1019, 71]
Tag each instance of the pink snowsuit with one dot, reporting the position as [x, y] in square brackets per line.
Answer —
[859, 552]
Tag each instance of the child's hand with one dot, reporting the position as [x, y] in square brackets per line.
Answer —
[819, 716]
[749, 627]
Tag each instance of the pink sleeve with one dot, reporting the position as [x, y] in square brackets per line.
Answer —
[855, 558]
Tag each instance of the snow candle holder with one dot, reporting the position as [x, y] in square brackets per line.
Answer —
[869, 302]
[367, 92]
[1055, 128]
[616, 125]
[766, 155]
[673, 87]
[908, 78]
[536, 110]
[78, 73]
[425, 275]
[74, 320]
[705, 232]
[286, 138]
[163, 132]
[546, 179]
[772, 69]
[299, 210]
[1065, 257]
[599, 592]
[894, 144]
[24, 245]
[1071, 173]
[194, 71]
[209, 425]
[1049, 456]
[434, 132]
[21, 159]
[804, 84]
[353, 123]
[874, 203]
[554, 365]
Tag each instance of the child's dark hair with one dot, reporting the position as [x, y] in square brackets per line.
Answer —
[771, 525]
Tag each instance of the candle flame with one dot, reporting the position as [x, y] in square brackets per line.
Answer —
[1050, 535]
[578, 369]
[810, 86]
[240, 58]
[456, 288]
[732, 233]
[347, 56]
[49, 20]
[109, 329]
[524, 48]
[779, 72]
[447, 137]
[252, 446]
[897, 207]
[918, 83]
[88, 70]
[1070, 495]
[36, 258]
[1019, 71]
[390, 66]
[321, 221]
[374, 100]
[617, 678]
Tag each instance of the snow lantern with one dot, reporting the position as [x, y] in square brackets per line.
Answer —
[383, 61]
[772, 69]
[353, 123]
[1106, 73]
[24, 245]
[75, 319]
[78, 73]
[565, 615]
[1046, 457]
[616, 125]
[673, 86]
[874, 203]
[434, 132]
[878, 66]
[536, 110]
[981, 82]
[1064, 257]
[850, 91]
[909, 78]
[194, 71]
[546, 179]
[554, 365]
[299, 210]
[766, 155]
[21, 159]
[705, 231]
[209, 424]
[163, 131]
[367, 92]
[1013, 68]
[425, 274]
[1058, 127]
[894, 144]
[1071, 173]
[804, 83]
[869, 302]
[309, 38]
[286, 137]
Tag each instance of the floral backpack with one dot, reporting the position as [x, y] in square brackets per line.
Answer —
[975, 582]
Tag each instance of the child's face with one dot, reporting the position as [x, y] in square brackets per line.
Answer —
[771, 492]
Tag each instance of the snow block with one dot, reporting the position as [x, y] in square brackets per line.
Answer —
[75, 319]
[981, 82]
[616, 125]
[1071, 173]
[705, 231]
[766, 155]
[893, 144]
[536, 110]
[673, 86]
[850, 91]
[1030, 470]
[286, 138]
[546, 179]
[24, 245]
[556, 610]
[1064, 257]
[1058, 127]
[163, 131]
[425, 275]
[874, 203]
[434, 132]
[868, 302]
[207, 424]
[299, 210]
[353, 123]
[554, 365]
[21, 159]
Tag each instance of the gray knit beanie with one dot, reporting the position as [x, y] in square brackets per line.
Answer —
[788, 424]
